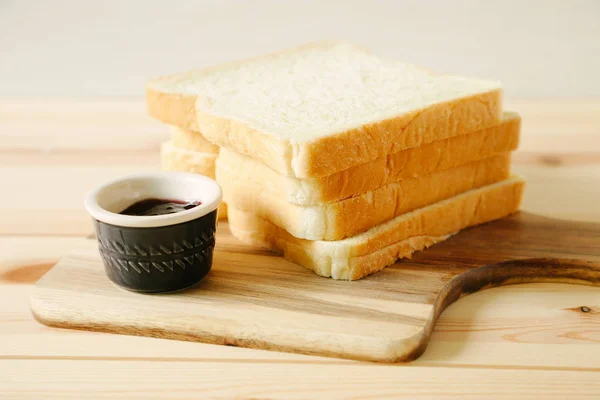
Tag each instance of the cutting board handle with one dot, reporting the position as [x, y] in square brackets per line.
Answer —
[512, 272]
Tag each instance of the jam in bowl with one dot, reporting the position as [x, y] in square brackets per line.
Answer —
[156, 231]
[150, 207]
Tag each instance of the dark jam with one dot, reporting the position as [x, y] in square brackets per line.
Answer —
[150, 207]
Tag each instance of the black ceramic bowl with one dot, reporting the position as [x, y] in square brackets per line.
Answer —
[159, 253]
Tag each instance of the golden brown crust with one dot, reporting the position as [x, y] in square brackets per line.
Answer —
[329, 154]
[358, 146]
[372, 251]
[338, 220]
[476, 207]
[334, 153]
[266, 148]
[417, 161]
[368, 264]
[426, 159]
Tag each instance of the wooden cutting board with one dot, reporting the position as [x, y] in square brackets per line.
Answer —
[254, 298]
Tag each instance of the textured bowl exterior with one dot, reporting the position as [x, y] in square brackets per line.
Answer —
[161, 259]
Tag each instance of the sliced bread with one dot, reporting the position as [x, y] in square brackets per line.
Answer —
[345, 218]
[405, 164]
[323, 108]
[371, 251]
[176, 159]
[193, 141]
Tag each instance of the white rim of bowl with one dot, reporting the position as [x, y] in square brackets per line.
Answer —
[210, 201]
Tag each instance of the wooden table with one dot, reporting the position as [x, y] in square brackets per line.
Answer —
[523, 341]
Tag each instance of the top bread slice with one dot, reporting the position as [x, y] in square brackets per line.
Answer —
[323, 108]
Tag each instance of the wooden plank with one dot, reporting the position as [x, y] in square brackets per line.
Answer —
[21, 337]
[532, 325]
[181, 380]
[573, 118]
[51, 125]
[275, 304]
[469, 334]
[567, 192]
[82, 158]
[48, 199]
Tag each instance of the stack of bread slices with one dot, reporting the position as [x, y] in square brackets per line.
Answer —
[339, 160]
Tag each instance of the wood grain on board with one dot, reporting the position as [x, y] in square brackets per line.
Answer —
[256, 299]
[527, 325]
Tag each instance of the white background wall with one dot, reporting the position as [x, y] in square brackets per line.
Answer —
[71, 48]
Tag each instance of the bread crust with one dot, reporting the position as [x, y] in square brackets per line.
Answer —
[418, 161]
[328, 154]
[369, 252]
[349, 217]
[331, 154]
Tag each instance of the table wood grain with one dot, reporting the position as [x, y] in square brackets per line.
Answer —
[524, 341]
